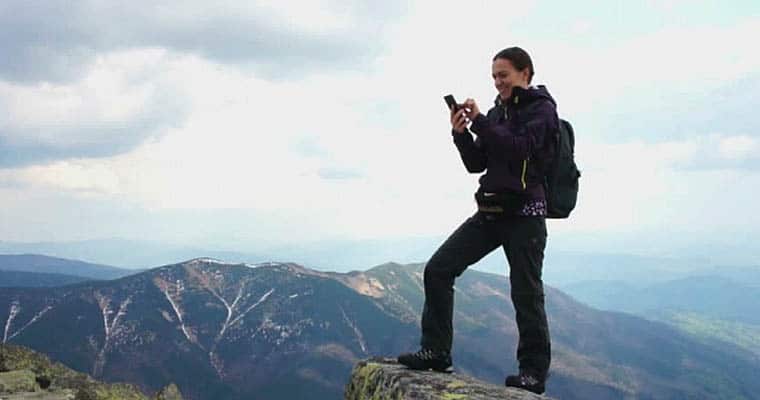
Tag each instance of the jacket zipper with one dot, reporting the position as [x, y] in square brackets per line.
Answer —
[522, 177]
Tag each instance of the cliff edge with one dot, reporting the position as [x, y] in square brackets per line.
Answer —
[380, 378]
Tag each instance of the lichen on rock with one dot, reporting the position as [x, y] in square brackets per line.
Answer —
[381, 378]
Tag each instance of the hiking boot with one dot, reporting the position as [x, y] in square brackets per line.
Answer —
[526, 380]
[437, 360]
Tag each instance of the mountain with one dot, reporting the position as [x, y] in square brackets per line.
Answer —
[124, 253]
[710, 330]
[279, 330]
[708, 308]
[37, 279]
[745, 275]
[564, 268]
[711, 296]
[53, 265]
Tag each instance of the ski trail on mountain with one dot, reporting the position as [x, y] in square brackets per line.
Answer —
[230, 320]
[357, 332]
[110, 328]
[15, 309]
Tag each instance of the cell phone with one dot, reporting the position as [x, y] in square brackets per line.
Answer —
[451, 102]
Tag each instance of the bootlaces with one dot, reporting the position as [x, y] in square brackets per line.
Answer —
[528, 380]
[425, 354]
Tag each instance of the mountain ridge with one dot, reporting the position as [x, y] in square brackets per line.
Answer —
[226, 330]
[39, 263]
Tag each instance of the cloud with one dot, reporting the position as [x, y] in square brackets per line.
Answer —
[56, 40]
[123, 99]
[639, 185]
[76, 178]
[709, 152]
[340, 125]
[674, 83]
[722, 151]
[339, 173]
[739, 147]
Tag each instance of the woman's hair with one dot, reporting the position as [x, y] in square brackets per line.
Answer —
[519, 59]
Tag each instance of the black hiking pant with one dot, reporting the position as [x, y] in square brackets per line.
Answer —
[523, 240]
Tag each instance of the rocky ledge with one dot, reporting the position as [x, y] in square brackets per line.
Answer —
[383, 378]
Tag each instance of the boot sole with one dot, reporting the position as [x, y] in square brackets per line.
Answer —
[447, 370]
[526, 389]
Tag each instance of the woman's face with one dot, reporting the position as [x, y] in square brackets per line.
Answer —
[506, 76]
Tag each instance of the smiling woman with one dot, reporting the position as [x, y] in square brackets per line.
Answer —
[515, 144]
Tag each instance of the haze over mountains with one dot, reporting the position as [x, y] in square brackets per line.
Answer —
[569, 259]
[281, 330]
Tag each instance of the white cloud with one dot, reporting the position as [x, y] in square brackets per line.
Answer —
[280, 38]
[124, 98]
[739, 147]
[245, 142]
[638, 72]
[79, 178]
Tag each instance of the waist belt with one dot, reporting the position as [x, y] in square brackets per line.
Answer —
[501, 202]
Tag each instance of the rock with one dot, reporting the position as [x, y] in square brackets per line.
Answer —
[383, 378]
[17, 381]
[170, 392]
[86, 393]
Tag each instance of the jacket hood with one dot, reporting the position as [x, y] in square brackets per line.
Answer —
[530, 94]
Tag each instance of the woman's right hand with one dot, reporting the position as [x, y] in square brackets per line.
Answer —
[459, 120]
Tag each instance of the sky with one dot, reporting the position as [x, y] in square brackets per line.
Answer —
[239, 124]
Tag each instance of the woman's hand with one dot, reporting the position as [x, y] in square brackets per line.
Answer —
[459, 120]
[471, 108]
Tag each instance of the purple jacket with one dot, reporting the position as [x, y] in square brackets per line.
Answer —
[513, 143]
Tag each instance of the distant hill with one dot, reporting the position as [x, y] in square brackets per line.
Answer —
[561, 267]
[708, 308]
[37, 279]
[279, 330]
[125, 253]
[710, 330]
[711, 296]
[744, 275]
[53, 265]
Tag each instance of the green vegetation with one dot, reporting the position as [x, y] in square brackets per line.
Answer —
[17, 381]
[23, 370]
[746, 336]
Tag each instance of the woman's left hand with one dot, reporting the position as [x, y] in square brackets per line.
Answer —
[471, 109]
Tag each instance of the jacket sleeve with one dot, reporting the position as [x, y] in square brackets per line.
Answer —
[472, 152]
[521, 146]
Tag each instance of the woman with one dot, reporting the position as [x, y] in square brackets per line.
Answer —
[514, 142]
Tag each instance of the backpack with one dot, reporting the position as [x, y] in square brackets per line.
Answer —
[561, 183]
